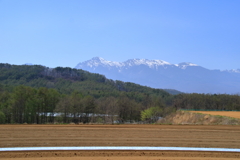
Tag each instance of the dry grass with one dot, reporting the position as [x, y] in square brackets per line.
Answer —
[202, 118]
[233, 114]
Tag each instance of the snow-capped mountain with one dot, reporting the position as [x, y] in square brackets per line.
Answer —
[186, 77]
[98, 61]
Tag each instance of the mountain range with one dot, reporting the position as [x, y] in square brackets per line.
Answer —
[185, 77]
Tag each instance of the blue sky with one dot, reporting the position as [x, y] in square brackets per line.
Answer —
[66, 32]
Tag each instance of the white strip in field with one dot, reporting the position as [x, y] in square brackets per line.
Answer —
[120, 148]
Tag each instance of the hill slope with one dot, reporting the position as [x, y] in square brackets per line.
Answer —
[66, 80]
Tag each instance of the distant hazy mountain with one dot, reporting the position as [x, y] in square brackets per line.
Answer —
[185, 77]
[28, 64]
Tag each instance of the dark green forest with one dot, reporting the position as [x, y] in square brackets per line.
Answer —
[38, 94]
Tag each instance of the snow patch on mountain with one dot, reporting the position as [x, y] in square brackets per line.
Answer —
[234, 71]
[184, 65]
[154, 64]
[96, 61]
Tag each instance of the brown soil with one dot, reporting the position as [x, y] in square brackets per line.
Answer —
[233, 114]
[119, 135]
[118, 155]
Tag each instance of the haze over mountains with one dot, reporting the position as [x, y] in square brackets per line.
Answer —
[185, 77]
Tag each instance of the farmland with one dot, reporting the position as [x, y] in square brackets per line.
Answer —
[119, 135]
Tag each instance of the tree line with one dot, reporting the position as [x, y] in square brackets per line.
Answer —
[43, 105]
[46, 105]
[196, 101]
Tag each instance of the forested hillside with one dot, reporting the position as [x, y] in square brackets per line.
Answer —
[38, 94]
[66, 80]
[32, 94]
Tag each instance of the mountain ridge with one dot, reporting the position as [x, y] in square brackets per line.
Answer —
[96, 61]
[186, 77]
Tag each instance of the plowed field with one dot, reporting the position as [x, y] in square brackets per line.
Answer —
[119, 135]
[233, 114]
